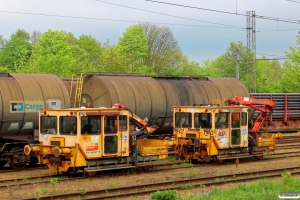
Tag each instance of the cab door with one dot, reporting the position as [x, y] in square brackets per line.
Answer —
[111, 139]
[222, 129]
[91, 135]
[236, 134]
[116, 135]
[124, 135]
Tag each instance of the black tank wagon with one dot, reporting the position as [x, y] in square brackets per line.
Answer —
[153, 97]
[21, 95]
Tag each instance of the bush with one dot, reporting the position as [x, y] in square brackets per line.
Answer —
[164, 195]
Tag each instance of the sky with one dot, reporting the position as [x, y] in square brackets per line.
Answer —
[203, 28]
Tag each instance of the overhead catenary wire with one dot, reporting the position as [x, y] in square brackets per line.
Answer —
[133, 21]
[118, 20]
[226, 12]
[275, 30]
[198, 8]
[169, 15]
[264, 54]
[293, 1]
[272, 58]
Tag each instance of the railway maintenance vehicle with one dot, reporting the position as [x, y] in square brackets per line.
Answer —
[94, 139]
[97, 139]
[205, 132]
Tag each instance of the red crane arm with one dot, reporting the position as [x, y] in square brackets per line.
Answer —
[139, 122]
[269, 106]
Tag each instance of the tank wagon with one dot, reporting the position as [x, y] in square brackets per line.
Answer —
[21, 96]
[286, 116]
[153, 97]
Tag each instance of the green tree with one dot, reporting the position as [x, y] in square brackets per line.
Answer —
[52, 54]
[290, 77]
[268, 76]
[115, 60]
[93, 49]
[162, 47]
[291, 71]
[17, 57]
[134, 41]
[134, 44]
[225, 65]
[1, 40]
[71, 39]
[35, 35]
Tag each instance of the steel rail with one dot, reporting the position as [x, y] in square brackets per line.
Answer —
[143, 189]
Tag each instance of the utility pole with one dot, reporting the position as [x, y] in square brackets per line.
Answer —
[251, 44]
[237, 68]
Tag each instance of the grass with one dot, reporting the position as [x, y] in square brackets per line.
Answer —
[171, 158]
[185, 164]
[107, 181]
[187, 187]
[269, 156]
[263, 189]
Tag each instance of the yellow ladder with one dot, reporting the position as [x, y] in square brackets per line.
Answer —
[78, 90]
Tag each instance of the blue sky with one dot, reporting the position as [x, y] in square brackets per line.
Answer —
[205, 35]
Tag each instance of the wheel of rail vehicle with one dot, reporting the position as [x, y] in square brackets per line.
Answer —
[146, 168]
[89, 174]
[15, 163]
[218, 160]
[33, 161]
[194, 161]
[67, 173]
[258, 157]
[2, 163]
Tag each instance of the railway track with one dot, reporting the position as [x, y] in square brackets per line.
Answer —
[290, 146]
[158, 168]
[25, 182]
[289, 139]
[74, 176]
[9, 169]
[143, 189]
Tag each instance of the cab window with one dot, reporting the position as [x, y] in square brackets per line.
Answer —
[244, 118]
[110, 144]
[221, 120]
[90, 125]
[68, 125]
[123, 122]
[235, 120]
[202, 120]
[183, 119]
[48, 124]
[110, 124]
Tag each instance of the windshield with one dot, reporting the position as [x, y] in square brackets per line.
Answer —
[183, 119]
[68, 125]
[48, 124]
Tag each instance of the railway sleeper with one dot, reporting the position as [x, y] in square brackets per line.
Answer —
[108, 167]
[225, 157]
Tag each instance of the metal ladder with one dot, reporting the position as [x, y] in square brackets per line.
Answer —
[78, 90]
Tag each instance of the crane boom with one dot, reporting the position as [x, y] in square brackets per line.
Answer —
[144, 129]
[269, 106]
